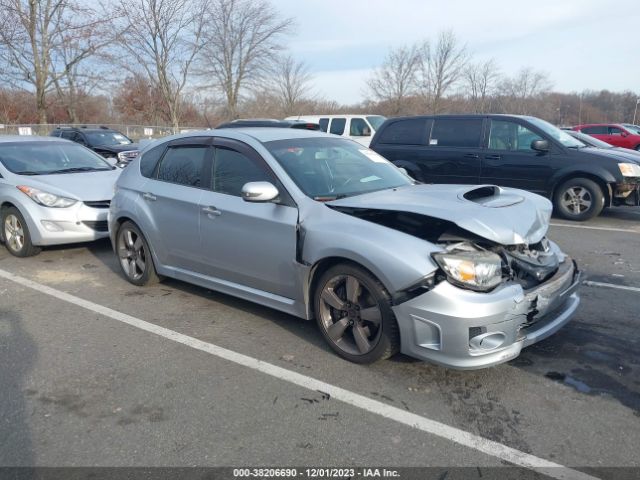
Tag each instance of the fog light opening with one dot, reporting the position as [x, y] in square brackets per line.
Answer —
[51, 226]
[487, 341]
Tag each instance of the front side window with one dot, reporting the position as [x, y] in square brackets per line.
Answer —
[324, 124]
[330, 168]
[615, 131]
[232, 169]
[337, 126]
[511, 136]
[456, 133]
[47, 158]
[359, 128]
[183, 165]
[69, 135]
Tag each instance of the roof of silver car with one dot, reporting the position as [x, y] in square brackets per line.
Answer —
[261, 134]
[29, 138]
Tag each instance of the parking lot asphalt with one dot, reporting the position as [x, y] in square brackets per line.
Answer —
[80, 388]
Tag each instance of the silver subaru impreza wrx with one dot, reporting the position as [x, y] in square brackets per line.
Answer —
[322, 227]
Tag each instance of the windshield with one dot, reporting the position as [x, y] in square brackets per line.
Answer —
[634, 129]
[107, 138]
[590, 141]
[327, 168]
[560, 135]
[43, 158]
[376, 121]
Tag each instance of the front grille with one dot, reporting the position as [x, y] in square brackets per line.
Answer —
[98, 226]
[98, 204]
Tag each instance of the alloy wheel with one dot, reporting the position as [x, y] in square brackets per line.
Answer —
[350, 315]
[132, 253]
[14, 233]
[577, 200]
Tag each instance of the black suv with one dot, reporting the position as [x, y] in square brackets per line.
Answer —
[512, 151]
[105, 141]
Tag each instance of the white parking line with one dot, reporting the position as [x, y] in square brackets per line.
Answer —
[586, 227]
[461, 437]
[589, 283]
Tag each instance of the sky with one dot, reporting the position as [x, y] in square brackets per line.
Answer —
[580, 44]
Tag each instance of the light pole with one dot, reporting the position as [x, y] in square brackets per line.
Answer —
[636, 111]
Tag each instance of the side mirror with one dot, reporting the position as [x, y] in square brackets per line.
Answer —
[540, 146]
[259, 192]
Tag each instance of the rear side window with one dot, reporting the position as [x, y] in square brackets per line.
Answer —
[405, 132]
[337, 126]
[597, 130]
[183, 165]
[453, 132]
[149, 160]
[324, 124]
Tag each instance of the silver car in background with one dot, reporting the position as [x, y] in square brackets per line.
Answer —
[322, 227]
[52, 191]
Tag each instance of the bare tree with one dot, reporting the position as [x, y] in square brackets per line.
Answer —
[242, 40]
[32, 34]
[291, 82]
[480, 81]
[397, 77]
[526, 85]
[443, 66]
[164, 38]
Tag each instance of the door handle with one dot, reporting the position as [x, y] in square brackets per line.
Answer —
[149, 196]
[212, 211]
[471, 155]
[492, 157]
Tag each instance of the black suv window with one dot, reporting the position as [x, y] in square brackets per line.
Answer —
[511, 136]
[456, 132]
[597, 130]
[183, 165]
[68, 134]
[337, 126]
[232, 169]
[411, 131]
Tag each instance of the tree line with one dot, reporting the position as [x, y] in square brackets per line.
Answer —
[199, 62]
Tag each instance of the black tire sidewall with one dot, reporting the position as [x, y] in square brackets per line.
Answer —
[28, 249]
[388, 343]
[149, 275]
[594, 189]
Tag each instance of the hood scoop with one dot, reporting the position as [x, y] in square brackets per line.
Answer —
[491, 196]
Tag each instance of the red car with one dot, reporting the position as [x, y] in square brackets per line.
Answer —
[622, 135]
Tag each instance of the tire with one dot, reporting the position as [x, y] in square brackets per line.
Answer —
[134, 255]
[638, 148]
[342, 296]
[579, 199]
[15, 234]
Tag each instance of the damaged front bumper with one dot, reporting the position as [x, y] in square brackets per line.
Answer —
[467, 330]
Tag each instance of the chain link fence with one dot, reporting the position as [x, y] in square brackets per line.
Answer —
[134, 132]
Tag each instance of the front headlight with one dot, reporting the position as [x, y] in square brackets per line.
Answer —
[629, 169]
[46, 199]
[480, 271]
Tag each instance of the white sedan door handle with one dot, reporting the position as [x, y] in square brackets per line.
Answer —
[212, 211]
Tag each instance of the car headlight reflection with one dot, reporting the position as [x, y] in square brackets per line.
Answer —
[46, 199]
[480, 271]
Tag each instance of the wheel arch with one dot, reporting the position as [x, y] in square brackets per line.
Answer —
[605, 185]
[33, 231]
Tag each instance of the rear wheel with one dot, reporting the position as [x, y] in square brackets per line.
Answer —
[15, 233]
[579, 199]
[135, 256]
[353, 311]
[638, 147]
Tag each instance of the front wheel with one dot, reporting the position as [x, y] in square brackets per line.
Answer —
[135, 256]
[353, 311]
[15, 233]
[579, 199]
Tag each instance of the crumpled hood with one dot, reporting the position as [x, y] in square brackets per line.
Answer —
[503, 215]
[84, 186]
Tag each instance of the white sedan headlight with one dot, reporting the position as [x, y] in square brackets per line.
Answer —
[629, 169]
[46, 199]
[474, 270]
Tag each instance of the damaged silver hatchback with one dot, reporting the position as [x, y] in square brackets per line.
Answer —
[321, 227]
